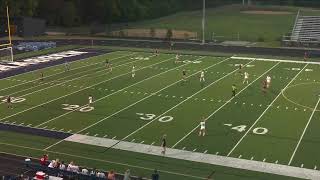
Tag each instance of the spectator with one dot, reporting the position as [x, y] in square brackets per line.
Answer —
[52, 164]
[44, 159]
[57, 164]
[155, 175]
[85, 171]
[76, 169]
[127, 175]
[111, 175]
[62, 166]
[93, 172]
[101, 175]
[73, 168]
[70, 166]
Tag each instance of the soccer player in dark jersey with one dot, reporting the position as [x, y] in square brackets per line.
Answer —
[234, 89]
[184, 75]
[9, 102]
[264, 86]
[107, 63]
[164, 144]
[305, 56]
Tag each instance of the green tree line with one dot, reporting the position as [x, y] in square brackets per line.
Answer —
[78, 12]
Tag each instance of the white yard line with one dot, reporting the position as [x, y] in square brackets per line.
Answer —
[49, 82]
[304, 131]
[198, 157]
[190, 97]
[151, 94]
[249, 130]
[63, 82]
[225, 104]
[112, 94]
[275, 60]
[86, 59]
[81, 90]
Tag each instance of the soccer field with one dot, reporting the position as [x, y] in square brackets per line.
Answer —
[278, 127]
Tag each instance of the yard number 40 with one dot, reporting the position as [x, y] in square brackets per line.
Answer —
[242, 128]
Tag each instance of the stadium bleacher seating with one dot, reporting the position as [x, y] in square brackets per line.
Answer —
[306, 29]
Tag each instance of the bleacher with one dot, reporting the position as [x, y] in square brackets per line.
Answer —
[306, 30]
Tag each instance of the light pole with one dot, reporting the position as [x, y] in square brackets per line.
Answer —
[203, 21]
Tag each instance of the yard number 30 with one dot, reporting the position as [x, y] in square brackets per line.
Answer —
[150, 117]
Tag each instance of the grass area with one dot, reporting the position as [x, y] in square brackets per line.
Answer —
[157, 101]
[139, 164]
[207, 53]
[230, 21]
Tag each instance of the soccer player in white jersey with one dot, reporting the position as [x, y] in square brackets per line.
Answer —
[90, 100]
[268, 81]
[202, 76]
[133, 72]
[202, 131]
[177, 59]
[246, 78]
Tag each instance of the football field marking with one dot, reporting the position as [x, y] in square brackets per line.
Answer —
[188, 98]
[152, 94]
[199, 157]
[79, 108]
[278, 60]
[304, 131]
[81, 90]
[262, 114]
[63, 82]
[227, 102]
[86, 59]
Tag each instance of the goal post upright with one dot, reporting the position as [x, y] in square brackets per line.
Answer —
[9, 29]
[7, 47]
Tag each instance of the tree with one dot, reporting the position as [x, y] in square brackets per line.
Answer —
[68, 13]
[152, 32]
[169, 34]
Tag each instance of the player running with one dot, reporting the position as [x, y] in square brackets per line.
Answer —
[90, 98]
[177, 59]
[41, 76]
[108, 65]
[240, 68]
[246, 78]
[164, 144]
[234, 89]
[157, 52]
[9, 99]
[268, 79]
[305, 58]
[184, 75]
[66, 66]
[264, 86]
[202, 131]
[133, 72]
[202, 76]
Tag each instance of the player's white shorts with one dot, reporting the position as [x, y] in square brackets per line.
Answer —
[268, 81]
[90, 101]
[202, 128]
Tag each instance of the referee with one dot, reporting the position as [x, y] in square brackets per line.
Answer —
[164, 144]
